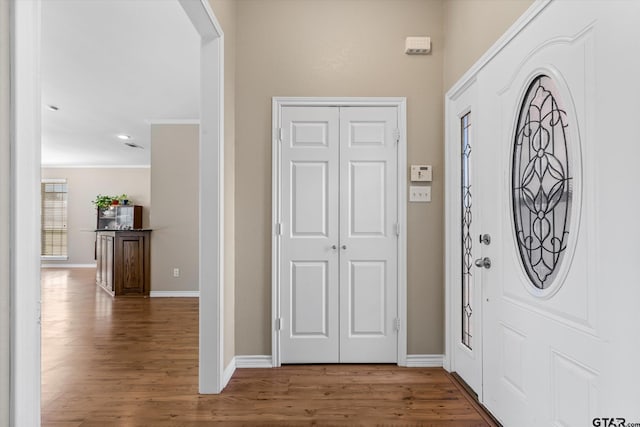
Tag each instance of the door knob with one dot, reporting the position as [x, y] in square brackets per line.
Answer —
[483, 262]
[344, 246]
[485, 239]
[334, 247]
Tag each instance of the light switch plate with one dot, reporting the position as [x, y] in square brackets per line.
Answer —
[420, 193]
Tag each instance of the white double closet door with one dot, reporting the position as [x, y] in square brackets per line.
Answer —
[338, 246]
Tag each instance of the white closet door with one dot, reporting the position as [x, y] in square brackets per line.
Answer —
[368, 241]
[309, 254]
[339, 248]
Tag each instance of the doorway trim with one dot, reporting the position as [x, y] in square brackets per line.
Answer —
[211, 196]
[277, 104]
[25, 370]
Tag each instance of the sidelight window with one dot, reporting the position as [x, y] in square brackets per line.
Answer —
[467, 241]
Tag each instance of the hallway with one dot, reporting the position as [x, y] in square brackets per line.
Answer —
[133, 361]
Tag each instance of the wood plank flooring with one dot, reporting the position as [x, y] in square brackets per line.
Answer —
[134, 362]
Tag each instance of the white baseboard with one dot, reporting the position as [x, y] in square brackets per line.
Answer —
[257, 361]
[413, 361]
[228, 373]
[174, 294]
[425, 360]
[67, 265]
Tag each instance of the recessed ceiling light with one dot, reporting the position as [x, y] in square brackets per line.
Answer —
[53, 107]
[124, 137]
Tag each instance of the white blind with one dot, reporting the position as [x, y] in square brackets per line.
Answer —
[54, 217]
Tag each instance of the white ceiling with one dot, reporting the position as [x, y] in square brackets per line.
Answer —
[112, 67]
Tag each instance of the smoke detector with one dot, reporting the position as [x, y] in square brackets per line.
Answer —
[417, 45]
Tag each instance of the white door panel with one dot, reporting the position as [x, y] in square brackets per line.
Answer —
[367, 199]
[367, 298]
[309, 204]
[309, 302]
[309, 264]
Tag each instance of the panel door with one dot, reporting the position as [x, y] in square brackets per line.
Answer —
[544, 346]
[131, 264]
[309, 279]
[338, 257]
[368, 241]
[465, 240]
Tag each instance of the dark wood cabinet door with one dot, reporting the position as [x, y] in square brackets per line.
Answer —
[132, 264]
[104, 261]
[108, 263]
[99, 260]
[123, 264]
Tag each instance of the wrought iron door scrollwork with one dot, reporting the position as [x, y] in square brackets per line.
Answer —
[467, 241]
[541, 182]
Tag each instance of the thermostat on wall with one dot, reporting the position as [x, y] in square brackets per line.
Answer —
[421, 173]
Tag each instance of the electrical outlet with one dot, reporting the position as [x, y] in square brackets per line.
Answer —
[176, 272]
[420, 193]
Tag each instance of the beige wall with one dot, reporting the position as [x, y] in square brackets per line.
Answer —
[335, 48]
[361, 55]
[471, 27]
[225, 11]
[174, 207]
[4, 214]
[84, 184]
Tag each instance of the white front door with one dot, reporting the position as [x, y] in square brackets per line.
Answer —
[338, 273]
[542, 350]
[553, 347]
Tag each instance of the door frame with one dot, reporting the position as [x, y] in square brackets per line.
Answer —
[452, 169]
[25, 370]
[401, 104]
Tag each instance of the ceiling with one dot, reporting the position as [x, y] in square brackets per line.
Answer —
[113, 67]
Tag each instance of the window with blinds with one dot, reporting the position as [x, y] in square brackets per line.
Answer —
[54, 219]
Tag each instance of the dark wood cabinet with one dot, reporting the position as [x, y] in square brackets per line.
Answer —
[123, 262]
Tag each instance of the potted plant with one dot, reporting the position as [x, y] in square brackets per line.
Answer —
[102, 202]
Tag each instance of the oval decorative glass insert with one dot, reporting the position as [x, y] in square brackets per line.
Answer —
[541, 182]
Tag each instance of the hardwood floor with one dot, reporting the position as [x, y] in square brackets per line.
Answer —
[134, 362]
